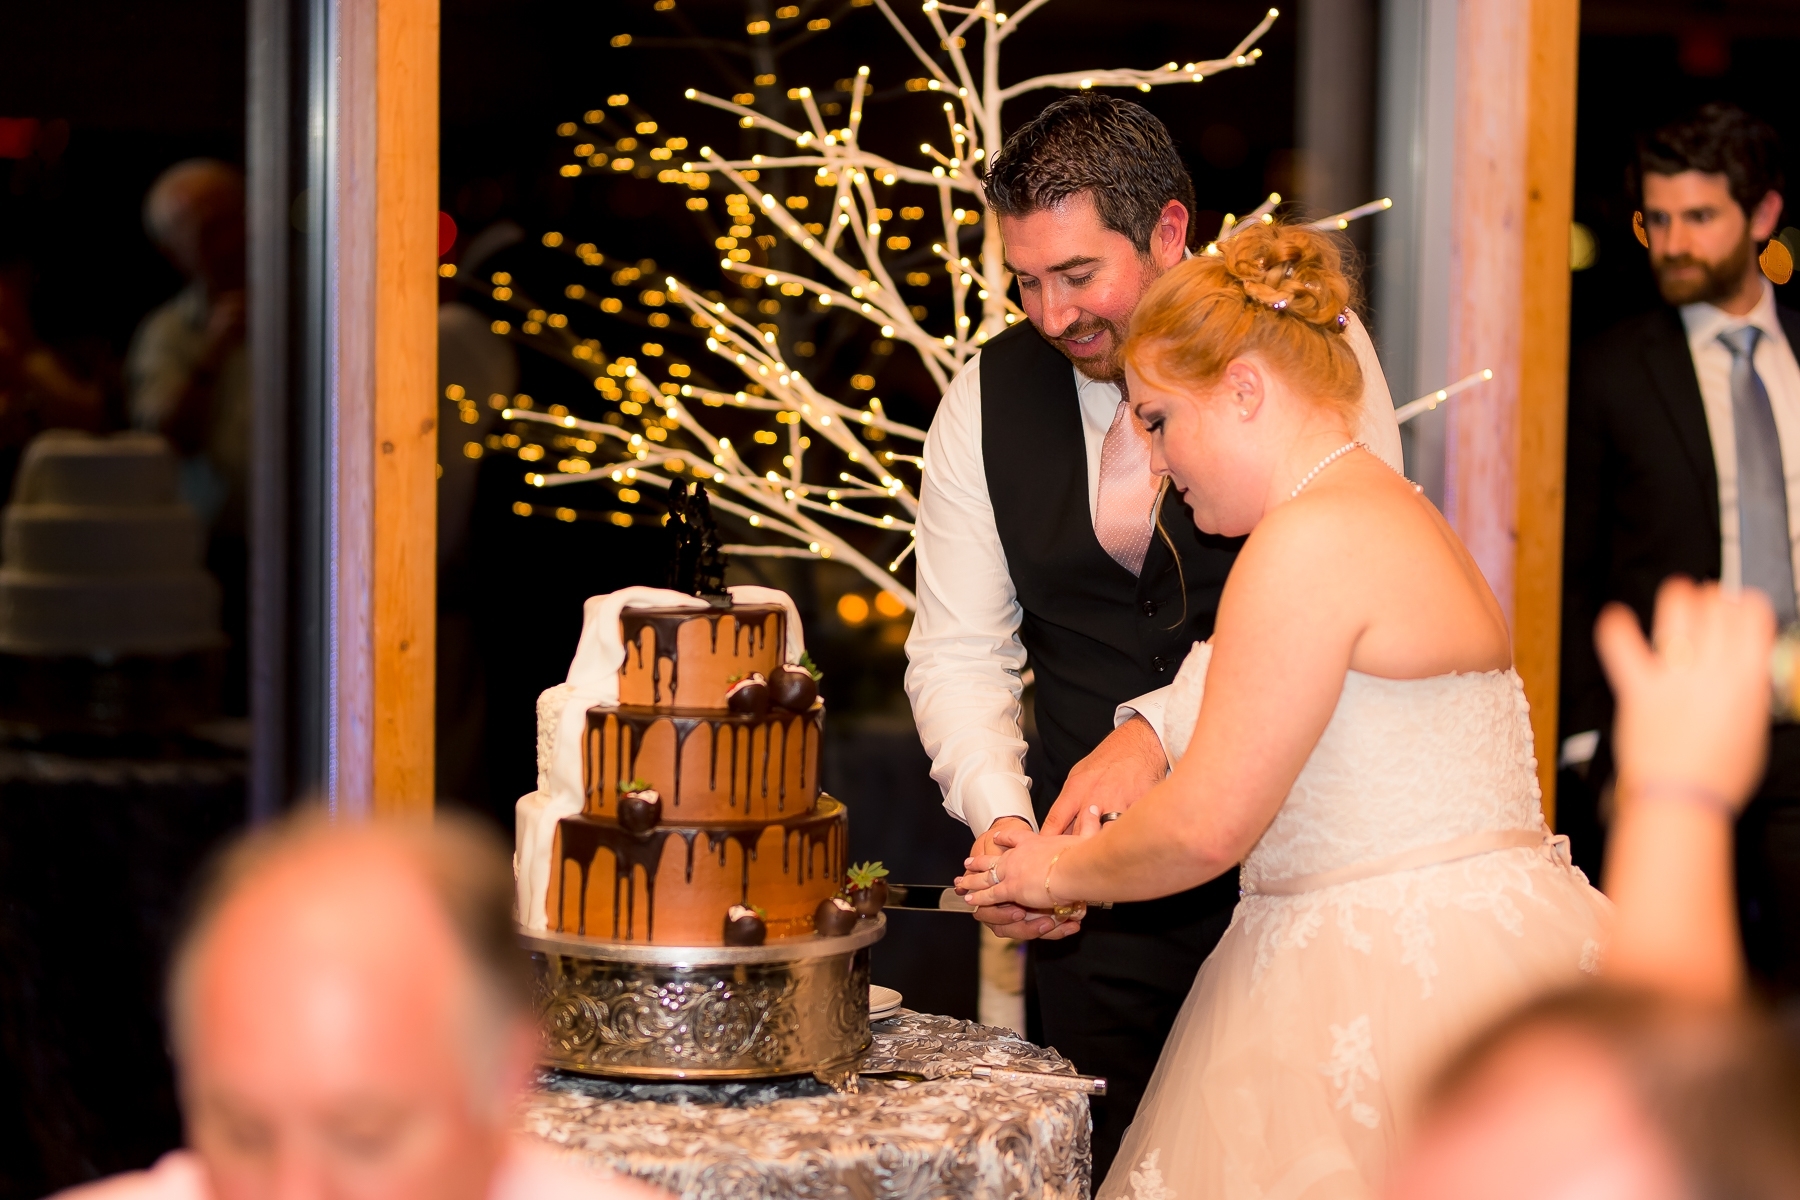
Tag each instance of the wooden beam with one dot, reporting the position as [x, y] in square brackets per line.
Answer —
[382, 481]
[404, 615]
[1544, 370]
[1513, 201]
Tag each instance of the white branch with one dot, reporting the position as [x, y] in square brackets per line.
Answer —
[859, 282]
[1194, 72]
[1425, 404]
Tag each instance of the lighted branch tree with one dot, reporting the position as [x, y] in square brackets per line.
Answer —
[835, 473]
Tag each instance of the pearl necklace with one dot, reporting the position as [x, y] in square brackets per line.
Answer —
[1313, 474]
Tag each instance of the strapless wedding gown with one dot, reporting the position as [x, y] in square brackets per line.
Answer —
[1406, 892]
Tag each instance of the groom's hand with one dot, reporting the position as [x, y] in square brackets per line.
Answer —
[1114, 777]
[1010, 920]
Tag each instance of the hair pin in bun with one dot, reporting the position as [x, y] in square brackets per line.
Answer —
[1343, 320]
[1278, 305]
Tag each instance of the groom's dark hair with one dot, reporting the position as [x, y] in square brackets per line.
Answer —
[1089, 142]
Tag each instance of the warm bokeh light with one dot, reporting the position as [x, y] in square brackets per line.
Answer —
[852, 609]
[889, 605]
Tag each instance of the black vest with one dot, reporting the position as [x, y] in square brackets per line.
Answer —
[1095, 636]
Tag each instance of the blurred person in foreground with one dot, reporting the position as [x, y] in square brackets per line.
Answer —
[348, 1011]
[1658, 1083]
[188, 374]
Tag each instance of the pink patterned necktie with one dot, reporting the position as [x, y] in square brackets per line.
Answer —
[1124, 512]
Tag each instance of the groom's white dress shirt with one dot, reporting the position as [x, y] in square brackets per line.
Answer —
[964, 656]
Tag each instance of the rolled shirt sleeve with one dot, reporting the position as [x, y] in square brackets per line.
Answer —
[964, 656]
[1151, 706]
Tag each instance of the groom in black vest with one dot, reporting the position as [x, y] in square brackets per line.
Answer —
[1047, 547]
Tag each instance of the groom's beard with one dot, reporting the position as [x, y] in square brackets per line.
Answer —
[1110, 367]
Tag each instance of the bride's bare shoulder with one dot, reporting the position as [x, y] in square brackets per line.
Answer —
[1365, 511]
[1393, 569]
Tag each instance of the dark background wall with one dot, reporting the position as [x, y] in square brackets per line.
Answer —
[124, 90]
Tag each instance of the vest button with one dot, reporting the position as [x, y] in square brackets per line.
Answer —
[1159, 664]
[1149, 608]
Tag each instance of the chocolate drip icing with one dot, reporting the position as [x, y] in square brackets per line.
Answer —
[812, 846]
[746, 770]
[746, 840]
[750, 634]
[582, 841]
[810, 837]
[781, 784]
[666, 624]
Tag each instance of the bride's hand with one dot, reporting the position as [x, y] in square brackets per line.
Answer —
[1017, 875]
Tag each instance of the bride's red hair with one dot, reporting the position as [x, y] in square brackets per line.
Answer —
[1278, 291]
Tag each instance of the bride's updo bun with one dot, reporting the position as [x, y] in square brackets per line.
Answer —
[1278, 291]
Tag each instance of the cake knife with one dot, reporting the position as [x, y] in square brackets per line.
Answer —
[926, 897]
[931, 897]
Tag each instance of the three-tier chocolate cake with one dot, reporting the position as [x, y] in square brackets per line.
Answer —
[735, 814]
[685, 782]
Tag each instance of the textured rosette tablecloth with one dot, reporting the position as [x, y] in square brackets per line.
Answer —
[963, 1137]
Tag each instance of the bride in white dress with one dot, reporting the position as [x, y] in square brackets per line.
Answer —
[1363, 751]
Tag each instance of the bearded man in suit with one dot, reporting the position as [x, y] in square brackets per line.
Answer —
[1684, 458]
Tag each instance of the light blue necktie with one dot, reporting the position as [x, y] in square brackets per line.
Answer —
[1768, 556]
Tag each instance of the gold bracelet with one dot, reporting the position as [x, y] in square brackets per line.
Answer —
[1059, 911]
[1054, 902]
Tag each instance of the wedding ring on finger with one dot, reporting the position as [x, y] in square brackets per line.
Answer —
[994, 875]
[1108, 818]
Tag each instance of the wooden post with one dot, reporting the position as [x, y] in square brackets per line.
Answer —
[405, 508]
[383, 482]
[1513, 201]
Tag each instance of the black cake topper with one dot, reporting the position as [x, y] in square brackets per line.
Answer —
[698, 564]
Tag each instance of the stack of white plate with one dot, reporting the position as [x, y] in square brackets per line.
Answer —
[883, 1002]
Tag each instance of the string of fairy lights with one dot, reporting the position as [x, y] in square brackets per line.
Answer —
[836, 478]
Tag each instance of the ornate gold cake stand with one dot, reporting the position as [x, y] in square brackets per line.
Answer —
[792, 1007]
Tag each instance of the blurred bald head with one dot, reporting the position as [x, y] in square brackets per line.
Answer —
[194, 212]
[348, 1012]
[1603, 1094]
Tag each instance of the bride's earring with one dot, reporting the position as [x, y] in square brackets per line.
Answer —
[1244, 413]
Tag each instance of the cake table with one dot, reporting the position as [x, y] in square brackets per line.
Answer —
[966, 1137]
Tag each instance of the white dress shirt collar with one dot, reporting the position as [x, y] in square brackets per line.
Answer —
[1704, 322]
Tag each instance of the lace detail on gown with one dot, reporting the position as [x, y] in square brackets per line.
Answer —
[1295, 1060]
[1403, 763]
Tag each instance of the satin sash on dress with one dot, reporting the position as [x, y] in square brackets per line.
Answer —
[1423, 856]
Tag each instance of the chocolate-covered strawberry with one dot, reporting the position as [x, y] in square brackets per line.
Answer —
[744, 926]
[795, 687]
[867, 888]
[834, 917]
[748, 696]
[640, 807]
